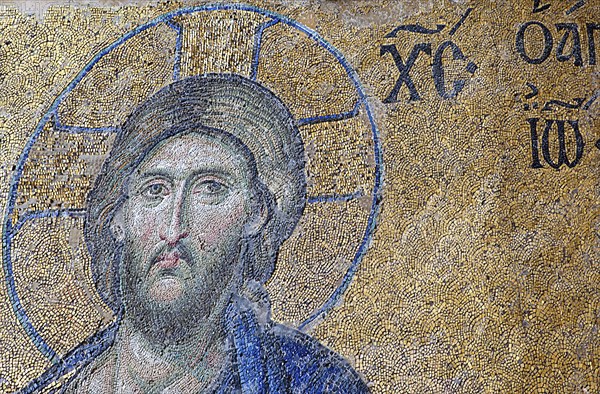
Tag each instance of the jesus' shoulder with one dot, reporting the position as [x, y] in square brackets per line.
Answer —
[96, 377]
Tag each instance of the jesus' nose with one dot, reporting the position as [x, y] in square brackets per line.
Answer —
[175, 229]
[172, 240]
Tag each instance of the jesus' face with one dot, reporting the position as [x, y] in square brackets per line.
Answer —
[189, 204]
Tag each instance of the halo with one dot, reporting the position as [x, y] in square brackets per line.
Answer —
[50, 286]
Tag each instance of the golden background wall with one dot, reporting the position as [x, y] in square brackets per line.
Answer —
[483, 274]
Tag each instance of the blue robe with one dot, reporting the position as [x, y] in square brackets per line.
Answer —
[266, 358]
[273, 358]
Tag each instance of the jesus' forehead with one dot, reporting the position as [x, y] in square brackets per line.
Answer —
[193, 154]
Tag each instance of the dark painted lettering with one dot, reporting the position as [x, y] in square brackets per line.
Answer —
[571, 30]
[520, 43]
[438, 70]
[563, 156]
[404, 70]
[591, 28]
[539, 8]
[535, 153]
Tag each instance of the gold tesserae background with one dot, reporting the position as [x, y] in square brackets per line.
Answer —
[483, 271]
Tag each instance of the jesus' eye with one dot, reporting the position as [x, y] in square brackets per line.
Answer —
[212, 191]
[155, 190]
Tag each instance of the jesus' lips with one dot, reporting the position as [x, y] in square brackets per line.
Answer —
[172, 263]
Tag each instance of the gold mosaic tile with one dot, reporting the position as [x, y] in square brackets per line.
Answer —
[482, 275]
[218, 42]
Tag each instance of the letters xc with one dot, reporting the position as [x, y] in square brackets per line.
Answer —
[404, 70]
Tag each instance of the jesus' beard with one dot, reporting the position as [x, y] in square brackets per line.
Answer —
[173, 322]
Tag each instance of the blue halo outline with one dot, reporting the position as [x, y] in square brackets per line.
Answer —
[9, 231]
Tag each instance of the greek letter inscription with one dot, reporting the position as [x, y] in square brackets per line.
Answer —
[570, 38]
[563, 156]
[404, 70]
[437, 67]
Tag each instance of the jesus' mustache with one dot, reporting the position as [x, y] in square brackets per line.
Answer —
[169, 258]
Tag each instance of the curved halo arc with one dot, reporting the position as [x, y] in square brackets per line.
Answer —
[9, 230]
